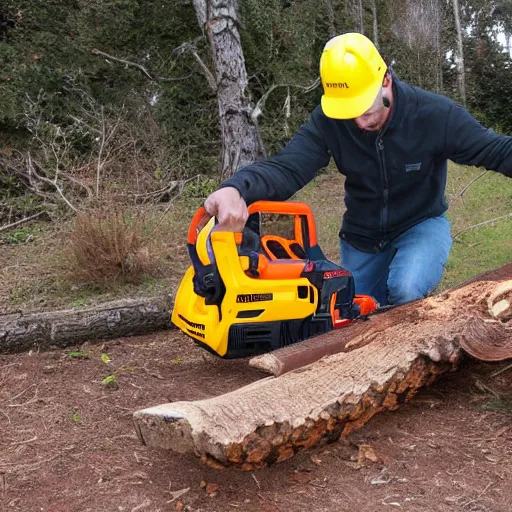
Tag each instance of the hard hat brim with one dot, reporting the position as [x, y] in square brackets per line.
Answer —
[350, 108]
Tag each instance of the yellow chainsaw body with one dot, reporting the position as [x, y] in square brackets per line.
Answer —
[235, 301]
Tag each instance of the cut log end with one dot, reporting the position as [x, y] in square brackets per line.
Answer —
[500, 302]
[168, 428]
[278, 441]
[489, 338]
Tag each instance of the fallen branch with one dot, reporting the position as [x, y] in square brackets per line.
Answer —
[32, 171]
[463, 191]
[500, 371]
[22, 221]
[482, 224]
[25, 331]
[181, 188]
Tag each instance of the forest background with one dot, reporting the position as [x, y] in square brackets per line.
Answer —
[118, 117]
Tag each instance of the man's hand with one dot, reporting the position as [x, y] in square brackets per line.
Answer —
[229, 207]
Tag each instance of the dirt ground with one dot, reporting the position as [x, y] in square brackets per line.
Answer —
[68, 442]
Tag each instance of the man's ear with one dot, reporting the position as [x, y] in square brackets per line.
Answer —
[386, 82]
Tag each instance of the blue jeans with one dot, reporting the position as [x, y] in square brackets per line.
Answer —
[409, 268]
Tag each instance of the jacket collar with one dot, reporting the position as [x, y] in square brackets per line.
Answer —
[399, 102]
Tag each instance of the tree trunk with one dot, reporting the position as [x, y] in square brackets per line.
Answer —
[404, 349]
[375, 24]
[241, 142]
[459, 59]
[43, 331]
[361, 16]
[440, 57]
[329, 7]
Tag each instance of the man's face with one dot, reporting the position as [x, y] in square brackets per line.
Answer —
[375, 117]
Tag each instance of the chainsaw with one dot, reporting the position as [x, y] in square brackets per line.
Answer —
[248, 293]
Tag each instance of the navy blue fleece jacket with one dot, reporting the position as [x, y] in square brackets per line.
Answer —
[394, 178]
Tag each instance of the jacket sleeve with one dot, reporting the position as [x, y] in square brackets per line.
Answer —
[468, 142]
[278, 177]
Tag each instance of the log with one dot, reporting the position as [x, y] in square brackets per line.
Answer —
[272, 419]
[48, 330]
[362, 332]
[348, 338]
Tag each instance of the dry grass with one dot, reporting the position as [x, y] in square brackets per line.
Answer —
[109, 243]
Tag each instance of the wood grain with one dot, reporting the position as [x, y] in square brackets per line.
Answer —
[270, 420]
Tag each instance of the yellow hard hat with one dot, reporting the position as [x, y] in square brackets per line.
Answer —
[351, 70]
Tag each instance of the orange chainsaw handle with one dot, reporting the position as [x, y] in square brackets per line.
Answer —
[199, 221]
[201, 217]
[289, 208]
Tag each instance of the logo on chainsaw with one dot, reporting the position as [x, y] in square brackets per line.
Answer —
[194, 325]
[254, 297]
[336, 273]
[195, 333]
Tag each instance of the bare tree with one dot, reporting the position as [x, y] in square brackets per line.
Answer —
[417, 23]
[241, 142]
[375, 24]
[330, 17]
[361, 12]
[438, 23]
[459, 55]
[503, 15]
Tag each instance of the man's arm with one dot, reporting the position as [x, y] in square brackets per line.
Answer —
[278, 177]
[469, 143]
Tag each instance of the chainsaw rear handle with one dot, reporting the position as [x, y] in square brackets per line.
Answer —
[199, 220]
[248, 241]
[201, 217]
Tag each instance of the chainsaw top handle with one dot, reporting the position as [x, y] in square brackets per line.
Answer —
[201, 217]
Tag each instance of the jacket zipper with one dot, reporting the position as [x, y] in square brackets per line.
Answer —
[385, 182]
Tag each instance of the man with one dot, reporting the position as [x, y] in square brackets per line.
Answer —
[392, 142]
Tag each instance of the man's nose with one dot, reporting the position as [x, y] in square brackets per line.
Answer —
[362, 123]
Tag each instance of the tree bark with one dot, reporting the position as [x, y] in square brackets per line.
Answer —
[375, 24]
[360, 16]
[270, 420]
[459, 59]
[330, 17]
[440, 57]
[241, 141]
[48, 330]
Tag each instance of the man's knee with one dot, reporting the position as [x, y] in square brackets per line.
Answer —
[406, 290]
[413, 283]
